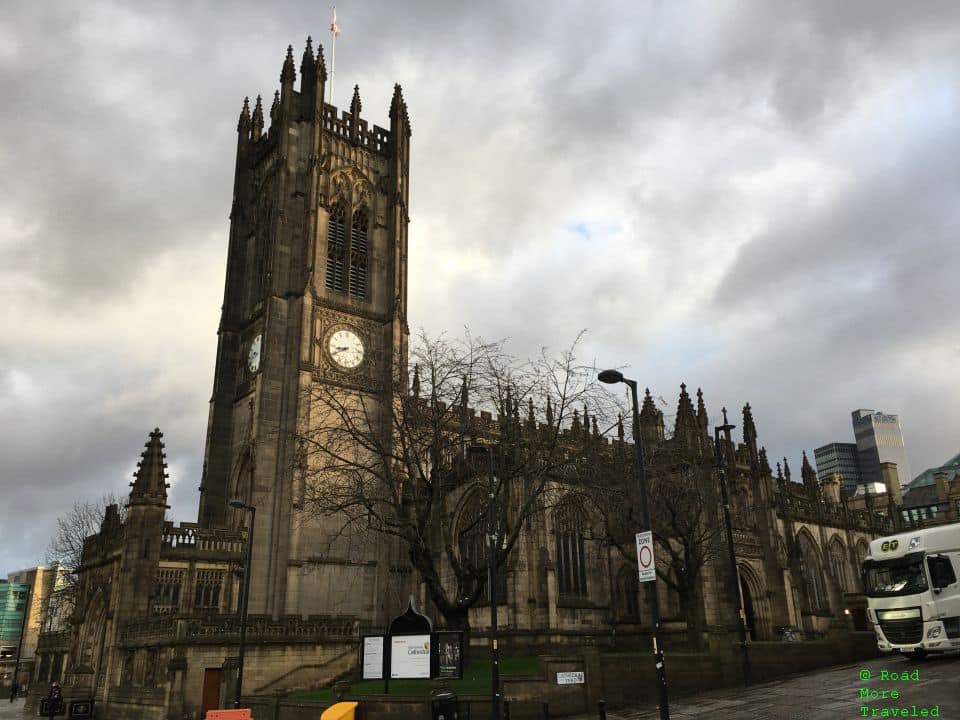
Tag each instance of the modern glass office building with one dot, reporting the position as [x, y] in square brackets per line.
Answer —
[839, 458]
[879, 440]
[13, 604]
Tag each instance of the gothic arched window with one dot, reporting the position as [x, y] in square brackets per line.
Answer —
[840, 565]
[812, 575]
[570, 524]
[627, 592]
[336, 247]
[358, 253]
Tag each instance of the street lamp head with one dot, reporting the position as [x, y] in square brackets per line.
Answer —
[610, 377]
[239, 504]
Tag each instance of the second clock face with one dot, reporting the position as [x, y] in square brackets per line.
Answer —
[346, 348]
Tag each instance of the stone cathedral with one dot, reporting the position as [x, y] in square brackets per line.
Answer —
[316, 293]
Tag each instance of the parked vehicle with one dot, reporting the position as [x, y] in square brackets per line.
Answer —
[913, 597]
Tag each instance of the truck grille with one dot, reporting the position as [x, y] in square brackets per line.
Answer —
[903, 632]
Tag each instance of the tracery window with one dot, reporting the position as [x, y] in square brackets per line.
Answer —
[358, 253]
[348, 250]
[206, 596]
[838, 561]
[812, 575]
[627, 591]
[336, 247]
[570, 525]
[166, 595]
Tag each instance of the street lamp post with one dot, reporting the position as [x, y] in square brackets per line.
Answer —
[23, 631]
[491, 577]
[612, 377]
[245, 599]
[734, 576]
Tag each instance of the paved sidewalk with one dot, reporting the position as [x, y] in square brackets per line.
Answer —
[13, 710]
[832, 694]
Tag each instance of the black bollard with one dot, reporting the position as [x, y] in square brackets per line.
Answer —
[602, 709]
[546, 711]
[468, 710]
[506, 710]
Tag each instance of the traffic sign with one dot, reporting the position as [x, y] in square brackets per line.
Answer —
[645, 562]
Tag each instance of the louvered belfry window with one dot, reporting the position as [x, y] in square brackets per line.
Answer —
[336, 247]
[358, 254]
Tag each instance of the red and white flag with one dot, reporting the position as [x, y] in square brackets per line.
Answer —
[334, 28]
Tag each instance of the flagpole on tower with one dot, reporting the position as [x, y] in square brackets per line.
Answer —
[334, 31]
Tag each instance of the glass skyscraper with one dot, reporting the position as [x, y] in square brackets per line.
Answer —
[879, 440]
[839, 458]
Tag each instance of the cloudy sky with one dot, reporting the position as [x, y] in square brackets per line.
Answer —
[757, 198]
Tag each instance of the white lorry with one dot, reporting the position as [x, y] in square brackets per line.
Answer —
[913, 596]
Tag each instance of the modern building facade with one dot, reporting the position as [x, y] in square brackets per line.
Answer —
[879, 440]
[13, 604]
[839, 458]
[42, 583]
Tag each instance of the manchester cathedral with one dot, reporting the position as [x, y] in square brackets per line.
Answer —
[316, 296]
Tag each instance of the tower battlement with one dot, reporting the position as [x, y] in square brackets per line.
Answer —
[306, 105]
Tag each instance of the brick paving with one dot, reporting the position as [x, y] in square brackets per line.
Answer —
[832, 694]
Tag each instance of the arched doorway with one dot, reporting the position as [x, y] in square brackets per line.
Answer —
[750, 617]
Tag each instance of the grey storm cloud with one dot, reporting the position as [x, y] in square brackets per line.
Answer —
[757, 198]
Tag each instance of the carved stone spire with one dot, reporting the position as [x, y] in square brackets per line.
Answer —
[415, 386]
[321, 66]
[786, 470]
[289, 74]
[764, 463]
[399, 120]
[685, 429]
[275, 109]
[149, 486]
[549, 412]
[809, 476]
[243, 125]
[307, 63]
[620, 427]
[257, 125]
[355, 105]
[702, 420]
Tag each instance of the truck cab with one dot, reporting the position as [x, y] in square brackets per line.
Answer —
[913, 596]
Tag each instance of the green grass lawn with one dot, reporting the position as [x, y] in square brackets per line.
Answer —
[476, 681]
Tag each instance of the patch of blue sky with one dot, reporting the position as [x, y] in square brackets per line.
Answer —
[594, 229]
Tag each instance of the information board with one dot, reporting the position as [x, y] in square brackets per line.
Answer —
[372, 657]
[409, 657]
[645, 562]
[449, 652]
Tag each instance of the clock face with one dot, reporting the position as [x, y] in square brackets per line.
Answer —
[346, 348]
[253, 355]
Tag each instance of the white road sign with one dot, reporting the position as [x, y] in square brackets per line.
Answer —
[648, 572]
[569, 678]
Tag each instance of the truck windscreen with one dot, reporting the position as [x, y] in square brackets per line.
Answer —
[889, 578]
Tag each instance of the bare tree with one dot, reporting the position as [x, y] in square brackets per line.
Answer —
[397, 464]
[686, 531]
[76, 525]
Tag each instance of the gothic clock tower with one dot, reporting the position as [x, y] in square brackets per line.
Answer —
[316, 292]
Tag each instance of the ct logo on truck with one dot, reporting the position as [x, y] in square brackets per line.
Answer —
[890, 545]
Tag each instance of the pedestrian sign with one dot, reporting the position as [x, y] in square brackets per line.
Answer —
[648, 572]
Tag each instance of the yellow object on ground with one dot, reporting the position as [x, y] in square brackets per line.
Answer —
[340, 711]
